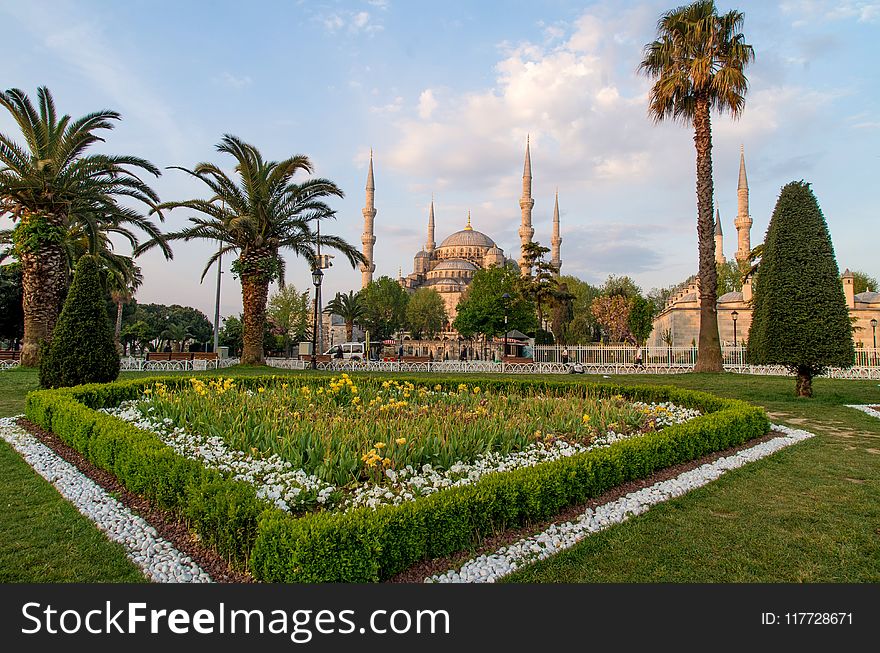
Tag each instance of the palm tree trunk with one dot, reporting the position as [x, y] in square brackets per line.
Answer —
[804, 385]
[254, 294]
[349, 330]
[118, 319]
[43, 280]
[709, 351]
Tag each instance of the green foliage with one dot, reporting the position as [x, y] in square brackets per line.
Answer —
[223, 512]
[730, 275]
[349, 308]
[82, 348]
[11, 314]
[641, 319]
[371, 545]
[368, 545]
[34, 234]
[384, 308]
[231, 334]
[800, 317]
[612, 314]
[425, 313]
[620, 287]
[862, 281]
[583, 328]
[482, 308]
[289, 312]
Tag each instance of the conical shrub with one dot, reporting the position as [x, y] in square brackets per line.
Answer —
[82, 348]
[800, 317]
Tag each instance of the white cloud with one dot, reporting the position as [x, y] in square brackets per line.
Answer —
[392, 107]
[427, 104]
[235, 82]
[351, 22]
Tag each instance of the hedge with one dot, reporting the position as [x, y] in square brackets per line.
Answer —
[367, 545]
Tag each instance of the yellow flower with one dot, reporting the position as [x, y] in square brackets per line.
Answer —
[477, 390]
[438, 387]
[400, 440]
[261, 389]
[379, 445]
[284, 386]
[386, 462]
[537, 434]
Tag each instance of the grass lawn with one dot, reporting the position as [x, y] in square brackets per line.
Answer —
[810, 513]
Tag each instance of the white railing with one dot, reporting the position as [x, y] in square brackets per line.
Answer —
[131, 364]
[8, 364]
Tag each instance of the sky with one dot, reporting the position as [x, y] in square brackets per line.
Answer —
[445, 94]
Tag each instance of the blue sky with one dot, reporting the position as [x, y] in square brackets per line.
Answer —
[445, 94]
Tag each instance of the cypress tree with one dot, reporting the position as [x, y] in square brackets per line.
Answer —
[800, 317]
[82, 348]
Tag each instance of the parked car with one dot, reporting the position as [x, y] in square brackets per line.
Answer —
[350, 351]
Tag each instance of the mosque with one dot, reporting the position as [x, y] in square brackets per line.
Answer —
[450, 267]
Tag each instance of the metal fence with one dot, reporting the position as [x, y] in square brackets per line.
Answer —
[131, 364]
[591, 360]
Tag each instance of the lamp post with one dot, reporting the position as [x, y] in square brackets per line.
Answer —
[317, 275]
[874, 331]
[734, 315]
[506, 298]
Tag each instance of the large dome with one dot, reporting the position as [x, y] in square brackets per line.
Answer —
[468, 238]
[455, 264]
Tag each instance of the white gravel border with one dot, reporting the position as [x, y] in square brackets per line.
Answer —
[491, 567]
[866, 408]
[159, 559]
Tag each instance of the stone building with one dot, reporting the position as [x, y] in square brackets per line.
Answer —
[679, 321]
[450, 267]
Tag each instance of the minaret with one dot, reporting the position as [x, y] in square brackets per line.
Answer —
[430, 244]
[525, 204]
[367, 238]
[743, 221]
[556, 240]
[719, 239]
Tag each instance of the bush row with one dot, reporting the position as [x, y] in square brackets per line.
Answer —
[369, 545]
[222, 511]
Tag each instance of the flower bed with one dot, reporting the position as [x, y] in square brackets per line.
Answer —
[282, 436]
[356, 542]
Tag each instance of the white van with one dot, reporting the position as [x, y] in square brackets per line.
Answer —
[355, 351]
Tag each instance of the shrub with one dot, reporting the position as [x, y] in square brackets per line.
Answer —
[82, 348]
[800, 316]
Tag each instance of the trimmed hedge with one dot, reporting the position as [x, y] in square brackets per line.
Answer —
[369, 545]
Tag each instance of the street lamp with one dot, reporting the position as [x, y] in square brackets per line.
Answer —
[734, 315]
[874, 331]
[317, 275]
[506, 298]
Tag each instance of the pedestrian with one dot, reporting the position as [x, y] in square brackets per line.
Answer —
[564, 356]
[400, 353]
[337, 353]
[639, 357]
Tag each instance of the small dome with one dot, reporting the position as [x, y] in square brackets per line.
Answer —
[868, 297]
[730, 297]
[495, 250]
[468, 238]
[455, 264]
[445, 282]
[690, 297]
[423, 254]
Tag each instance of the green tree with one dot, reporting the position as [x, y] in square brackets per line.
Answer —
[562, 313]
[425, 313]
[384, 304]
[121, 282]
[349, 308]
[612, 314]
[620, 286]
[698, 63]
[540, 285]
[800, 318]
[231, 335]
[50, 186]
[289, 311]
[641, 319]
[583, 327]
[863, 281]
[482, 308]
[730, 275]
[257, 215]
[11, 315]
[82, 348]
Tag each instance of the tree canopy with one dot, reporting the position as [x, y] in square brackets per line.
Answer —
[384, 304]
[425, 313]
[482, 308]
[800, 318]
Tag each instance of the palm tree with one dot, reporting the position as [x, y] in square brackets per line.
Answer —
[349, 308]
[123, 279]
[257, 216]
[698, 62]
[49, 185]
[178, 334]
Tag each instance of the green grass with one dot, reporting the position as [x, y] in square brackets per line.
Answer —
[810, 513]
[44, 539]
